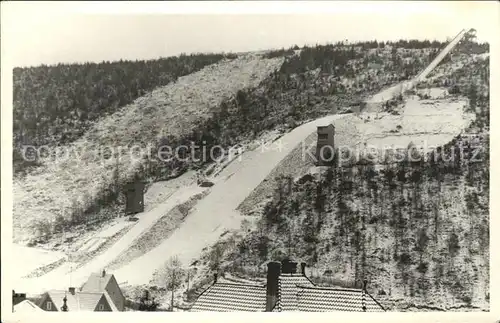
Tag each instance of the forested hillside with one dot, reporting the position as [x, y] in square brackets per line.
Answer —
[78, 188]
[317, 81]
[55, 105]
[312, 82]
[418, 231]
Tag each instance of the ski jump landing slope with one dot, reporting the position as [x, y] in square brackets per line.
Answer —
[68, 276]
[217, 213]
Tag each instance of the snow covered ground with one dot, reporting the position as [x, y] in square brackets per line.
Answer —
[426, 123]
[53, 188]
[386, 94]
[217, 213]
[434, 121]
[28, 259]
[94, 242]
[63, 276]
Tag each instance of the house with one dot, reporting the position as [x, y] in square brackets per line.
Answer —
[99, 293]
[286, 290]
[75, 301]
[107, 284]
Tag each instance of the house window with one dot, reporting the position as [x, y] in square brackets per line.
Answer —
[322, 136]
[101, 307]
[49, 306]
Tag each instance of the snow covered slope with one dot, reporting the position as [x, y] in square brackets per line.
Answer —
[172, 110]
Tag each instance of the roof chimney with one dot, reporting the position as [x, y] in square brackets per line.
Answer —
[273, 274]
[103, 273]
[215, 277]
[71, 290]
[303, 268]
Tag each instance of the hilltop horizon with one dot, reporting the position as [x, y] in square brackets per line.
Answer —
[49, 35]
[254, 51]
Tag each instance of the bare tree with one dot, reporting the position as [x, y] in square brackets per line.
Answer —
[173, 275]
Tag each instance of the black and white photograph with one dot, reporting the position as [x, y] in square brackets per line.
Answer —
[334, 160]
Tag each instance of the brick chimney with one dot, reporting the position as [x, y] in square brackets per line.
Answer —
[273, 273]
[215, 277]
[103, 273]
[71, 290]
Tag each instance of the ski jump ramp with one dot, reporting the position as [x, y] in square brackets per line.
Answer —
[399, 88]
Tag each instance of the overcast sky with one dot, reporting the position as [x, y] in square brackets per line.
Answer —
[51, 33]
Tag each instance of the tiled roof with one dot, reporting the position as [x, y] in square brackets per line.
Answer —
[81, 301]
[322, 299]
[295, 293]
[229, 297]
[287, 290]
[96, 283]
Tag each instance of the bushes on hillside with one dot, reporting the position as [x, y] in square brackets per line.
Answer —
[321, 223]
[306, 87]
[54, 105]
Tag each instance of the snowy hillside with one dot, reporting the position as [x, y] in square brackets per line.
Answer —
[59, 188]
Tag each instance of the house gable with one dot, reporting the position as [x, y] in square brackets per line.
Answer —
[96, 283]
[115, 293]
[47, 304]
[106, 283]
[102, 305]
[80, 301]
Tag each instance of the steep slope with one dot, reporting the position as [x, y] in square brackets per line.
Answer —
[421, 239]
[216, 213]
[60, 186]
[299, 91]
[76, 274]
[418, 231]
[313, 82]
